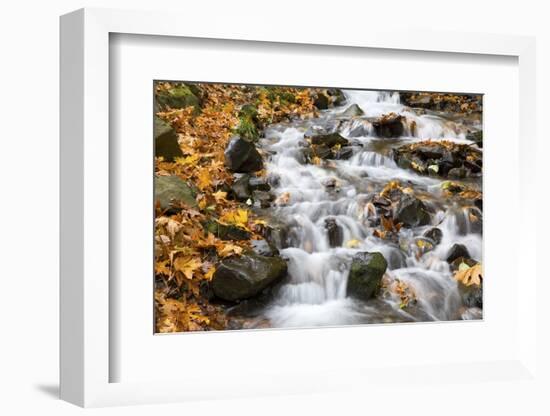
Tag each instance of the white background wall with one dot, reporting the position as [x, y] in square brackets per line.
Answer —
[29, 178]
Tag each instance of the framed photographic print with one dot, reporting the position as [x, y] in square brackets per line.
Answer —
[314, 215]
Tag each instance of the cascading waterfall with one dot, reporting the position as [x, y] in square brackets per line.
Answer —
[315, 293]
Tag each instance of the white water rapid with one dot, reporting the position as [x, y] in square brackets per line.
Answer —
[315, 293]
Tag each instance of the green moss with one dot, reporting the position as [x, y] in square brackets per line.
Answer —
[247, 129]
[180, 96]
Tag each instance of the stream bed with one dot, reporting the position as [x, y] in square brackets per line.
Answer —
[327, 209]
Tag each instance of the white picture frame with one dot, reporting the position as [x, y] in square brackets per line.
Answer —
[86, 356]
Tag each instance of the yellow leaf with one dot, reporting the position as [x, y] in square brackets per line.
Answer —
[353, 243]
[219, 196]
[187, 265]
[226, 250]
[237, 217]
[204, 180]
[189, 160]
[210, 273]
[469, 276]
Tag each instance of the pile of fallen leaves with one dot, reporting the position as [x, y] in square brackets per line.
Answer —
[186, 253]
[457, 103]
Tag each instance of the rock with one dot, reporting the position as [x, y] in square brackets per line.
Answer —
[334, 232]
[358, 128]
[264, 248]
[180, 96]
[276, 232]
[344, 153]
[389, 126]
[263, 198]
[365, 275]
[259, 184]
[166, 141]
[352, 111]
[456, 251]
[457, 173]
[321, 101]
[430, 152]
[472, 296]
[242, 156]
[434, 234]
[247, 129]
[171, 191]
[240, 189]
[238, 278]
[329, 140]
[226, 232]
[337, 95]
[446, 163]
[476, 137]
[412, 212]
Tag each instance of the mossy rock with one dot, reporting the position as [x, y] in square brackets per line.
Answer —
[247, 129]
[171, 191]
[180, 96]
[226, 232]
[239, 278]
[365, 275]
[166, 141]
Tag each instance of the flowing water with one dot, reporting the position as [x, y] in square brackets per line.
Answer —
[315, 292]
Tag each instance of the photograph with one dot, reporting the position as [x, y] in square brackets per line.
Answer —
[302, 207]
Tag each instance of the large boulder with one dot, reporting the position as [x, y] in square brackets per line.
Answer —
[241, 156]
[238, 278]
[166, 141]
[412, 212]
[365, 275]
[171, 191]
[179, 96]
[389, 126]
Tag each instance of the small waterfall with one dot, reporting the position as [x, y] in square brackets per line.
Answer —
[315, 293]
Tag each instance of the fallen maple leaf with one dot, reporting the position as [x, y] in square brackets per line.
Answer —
[469, 276]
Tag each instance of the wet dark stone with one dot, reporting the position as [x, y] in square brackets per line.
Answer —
[343, 153]
[365, 275]
[389, 126]
[241, 156]
[243, 277]
[321, 101]
[264, 199]
[412, 212]
[456, 251]
[240, 189]
[259, 184]
[335, 232]
[434, 234]
[352, 111]
[430, 152]
[458, 173]
[337, 95]
[329, 140]
[264, 248]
